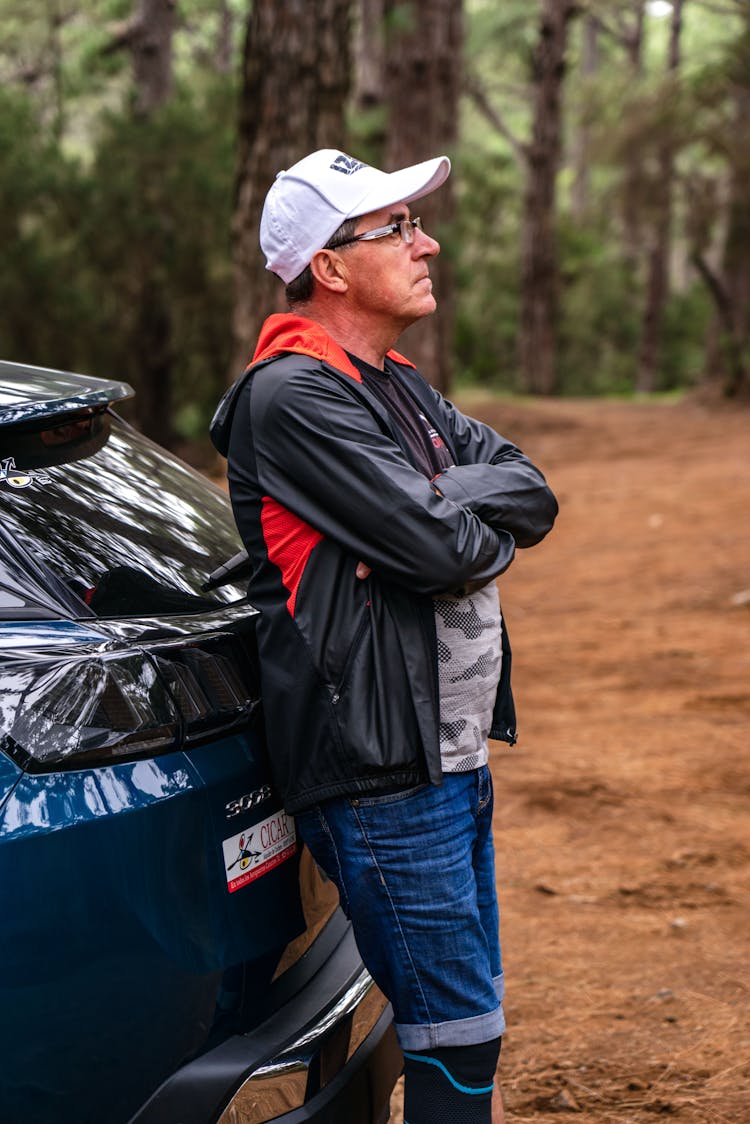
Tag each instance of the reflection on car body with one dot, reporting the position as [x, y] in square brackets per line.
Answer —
[168, 951]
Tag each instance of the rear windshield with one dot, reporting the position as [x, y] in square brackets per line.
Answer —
[94, 515]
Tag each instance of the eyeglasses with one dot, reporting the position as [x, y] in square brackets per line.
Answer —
[404, 227]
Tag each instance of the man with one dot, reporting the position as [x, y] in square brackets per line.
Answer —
[377, 517]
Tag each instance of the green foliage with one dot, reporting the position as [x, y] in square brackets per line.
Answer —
[687, 320]
[600, 313]
[628, 118]
[487, 270]
[401, 19]
[39, 195]
[161, 214]
[366, 130]
[107, 221]
[490, 187]
[98, 208]
[78, 242]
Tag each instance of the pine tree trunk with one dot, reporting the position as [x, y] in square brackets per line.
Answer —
[579, 199]
[223, 50]
[737, 248]
[153, 334]
[657, 285]
[151, 48]
[631, 217]
[296, 77]
[423, 72]
[369, 57]
[56, 20]
[539, 265]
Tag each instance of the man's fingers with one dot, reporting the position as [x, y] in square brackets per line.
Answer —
[363, 570]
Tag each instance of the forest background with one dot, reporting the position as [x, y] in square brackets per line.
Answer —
[595, 242]
[595, 233]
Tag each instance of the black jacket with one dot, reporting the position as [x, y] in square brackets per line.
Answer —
[320, 480]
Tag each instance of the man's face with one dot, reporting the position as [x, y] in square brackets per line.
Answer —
[388, 276]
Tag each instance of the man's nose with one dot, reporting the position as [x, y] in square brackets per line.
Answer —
[424, 245]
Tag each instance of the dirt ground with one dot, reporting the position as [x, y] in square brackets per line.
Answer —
[621, 820]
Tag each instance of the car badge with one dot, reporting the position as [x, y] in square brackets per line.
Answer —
[248, 801]
[20, 477]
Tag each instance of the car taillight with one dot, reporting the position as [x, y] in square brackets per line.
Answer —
[69, 711]
[106, 707]
[210, 683]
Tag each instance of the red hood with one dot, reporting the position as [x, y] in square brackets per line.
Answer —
[284, 332]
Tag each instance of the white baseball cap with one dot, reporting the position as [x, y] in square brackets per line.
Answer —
[308, 202]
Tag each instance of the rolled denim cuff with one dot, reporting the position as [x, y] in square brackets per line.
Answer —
[457, 1032]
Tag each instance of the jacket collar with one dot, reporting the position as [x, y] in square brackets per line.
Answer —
[286, 332]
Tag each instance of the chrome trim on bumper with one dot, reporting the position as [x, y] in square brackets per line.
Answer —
[312, 1060]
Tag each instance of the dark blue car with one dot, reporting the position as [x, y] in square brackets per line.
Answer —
[168, 952]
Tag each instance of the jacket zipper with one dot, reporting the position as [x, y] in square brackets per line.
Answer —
[350, 656]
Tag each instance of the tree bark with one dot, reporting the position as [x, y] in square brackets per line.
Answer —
[369, 55]
[56, 21]
[148, 37]
[296, 77]
[223, 52]
[581, 145]
[539, 265]
[730, 339]
[657, 284]
[151, 50]
[737, 246]
[423, 84]
[632, 40]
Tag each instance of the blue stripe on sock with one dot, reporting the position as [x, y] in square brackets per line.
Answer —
[441, 1067]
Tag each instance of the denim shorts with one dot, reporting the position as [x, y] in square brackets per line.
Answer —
[415, 872]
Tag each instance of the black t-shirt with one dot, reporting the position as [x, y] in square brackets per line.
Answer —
[467, 625]
[426, 445]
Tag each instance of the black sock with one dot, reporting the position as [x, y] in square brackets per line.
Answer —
[450, 1084]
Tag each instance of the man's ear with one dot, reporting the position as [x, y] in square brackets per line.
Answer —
[330, 271]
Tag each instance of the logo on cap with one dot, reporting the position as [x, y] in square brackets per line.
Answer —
[346, 165]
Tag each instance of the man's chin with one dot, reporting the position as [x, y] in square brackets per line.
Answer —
[426, 298]
[426, 308]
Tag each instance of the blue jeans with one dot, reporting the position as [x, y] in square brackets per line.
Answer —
[415, 872]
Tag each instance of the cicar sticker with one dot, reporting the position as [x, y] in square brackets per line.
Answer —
[20, 477]
[262, 847]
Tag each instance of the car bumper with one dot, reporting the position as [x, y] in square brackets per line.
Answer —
[328, 1055]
